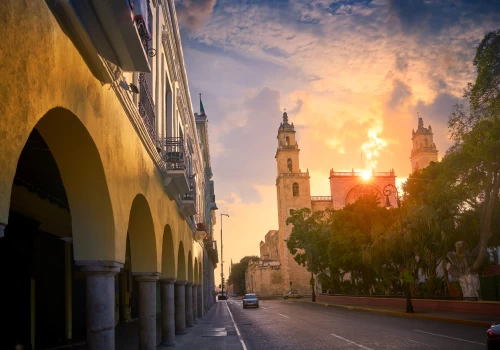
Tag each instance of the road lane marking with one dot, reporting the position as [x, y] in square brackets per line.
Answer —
[283, 315]
[445, 336]
[419, 342]
[351, 342]
[332, 313]
[236, 327]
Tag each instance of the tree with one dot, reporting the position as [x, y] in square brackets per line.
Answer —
[474, 159]
[238, 270]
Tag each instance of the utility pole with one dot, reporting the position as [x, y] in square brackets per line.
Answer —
[222, 259]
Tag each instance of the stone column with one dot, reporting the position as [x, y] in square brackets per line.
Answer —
[195, 303]
[167, 312]
[200, 300]
[100, 278]
[147, 309]
[180, 307]
[189, 304]
[2, 229]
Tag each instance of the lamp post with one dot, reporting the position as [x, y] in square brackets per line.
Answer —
[389, 190]
[222, 259]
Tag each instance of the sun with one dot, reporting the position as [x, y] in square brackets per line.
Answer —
[366, 175]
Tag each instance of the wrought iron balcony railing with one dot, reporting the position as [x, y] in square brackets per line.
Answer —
[147, 107]
[142, 12]
[191, 195]
[174, 157]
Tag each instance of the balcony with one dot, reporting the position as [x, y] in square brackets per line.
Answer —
[211, 247]
[201, 228]
[175, 165]
[111, 27]
[147, 107]
[188, 199]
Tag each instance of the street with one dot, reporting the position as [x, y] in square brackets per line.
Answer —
[283, 324]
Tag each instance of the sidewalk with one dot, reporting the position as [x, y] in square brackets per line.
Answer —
[214, 331]
[453, 317]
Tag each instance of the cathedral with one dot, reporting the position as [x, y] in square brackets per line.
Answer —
[277, 272]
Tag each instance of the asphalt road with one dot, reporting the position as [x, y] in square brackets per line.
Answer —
[284, 324]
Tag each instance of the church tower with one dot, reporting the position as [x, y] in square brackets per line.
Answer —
[424, 149]
[293, 191]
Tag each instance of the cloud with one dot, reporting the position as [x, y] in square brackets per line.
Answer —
[192, 13]
[400, 94]
[423, 16]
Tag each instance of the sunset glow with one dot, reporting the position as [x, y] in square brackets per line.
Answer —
[352, 76]
[366, 175]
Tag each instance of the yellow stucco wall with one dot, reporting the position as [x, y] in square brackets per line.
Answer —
[103, 163]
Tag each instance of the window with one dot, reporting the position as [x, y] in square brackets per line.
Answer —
[289, 164]
[287, 139]
[295, 189]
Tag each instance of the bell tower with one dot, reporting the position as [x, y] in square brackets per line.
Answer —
[293, 192]
[424, 149]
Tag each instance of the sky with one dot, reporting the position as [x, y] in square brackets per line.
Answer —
[351, 74]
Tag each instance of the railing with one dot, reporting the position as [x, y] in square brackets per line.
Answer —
[191, 195]
[144, 32]
[294, 174]
[174, 153]
[358, 173]
[146, 106]
[201, 224]
[321, 198]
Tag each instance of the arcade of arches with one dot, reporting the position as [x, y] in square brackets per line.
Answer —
[68, 246]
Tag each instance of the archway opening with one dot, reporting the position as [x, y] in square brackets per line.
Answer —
[60, 211]
[181, 263]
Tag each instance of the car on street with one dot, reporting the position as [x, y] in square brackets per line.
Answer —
[234, 294]
[293, 294]
[493, 337]
[250, 300]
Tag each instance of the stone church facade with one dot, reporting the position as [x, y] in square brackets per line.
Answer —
[293, 192]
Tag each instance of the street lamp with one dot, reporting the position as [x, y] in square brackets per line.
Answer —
[221, 259]
[389, 190]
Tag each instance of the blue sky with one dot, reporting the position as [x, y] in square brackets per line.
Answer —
[351, 74]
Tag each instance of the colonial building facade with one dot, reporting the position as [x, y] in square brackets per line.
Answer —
[106, 202]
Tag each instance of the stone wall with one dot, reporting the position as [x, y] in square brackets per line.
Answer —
[269, 250]
[264, 278]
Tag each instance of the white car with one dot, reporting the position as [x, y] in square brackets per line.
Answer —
[293, 294]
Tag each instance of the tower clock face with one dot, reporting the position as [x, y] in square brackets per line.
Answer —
[359, 191]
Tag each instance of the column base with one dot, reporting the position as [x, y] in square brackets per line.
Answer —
[180, 332]
[164, 345]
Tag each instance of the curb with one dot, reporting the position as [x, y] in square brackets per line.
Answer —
[404, 314]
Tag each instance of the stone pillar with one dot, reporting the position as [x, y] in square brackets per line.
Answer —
[2, 229]
[167, 312]
[195, 303]
[100, 278]
[200, 300]
[189, 304]
[146, 283]
[180, 307]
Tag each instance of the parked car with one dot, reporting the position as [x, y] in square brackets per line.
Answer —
[493, 337]
[250, 300]
[293, 294]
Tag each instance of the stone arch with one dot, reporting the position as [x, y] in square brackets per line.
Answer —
[181, 263]
[359, 190]
[196, 272]
[287, 140]
[190, 267]
[142, 236]
[167, 254]
[289, 164]
[82, 173]
[295, 189]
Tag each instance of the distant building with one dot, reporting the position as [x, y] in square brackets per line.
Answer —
[424, 149]
[293, 192]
